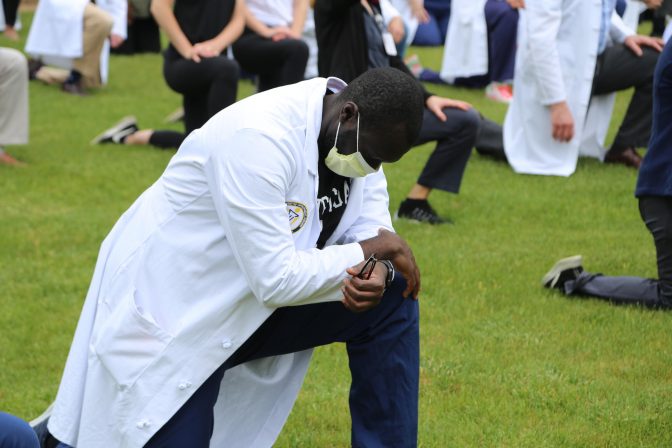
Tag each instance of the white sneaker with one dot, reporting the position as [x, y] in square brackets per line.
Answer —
[116, 134]
[566, 269]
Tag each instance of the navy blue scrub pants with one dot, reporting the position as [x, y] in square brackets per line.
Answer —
[15, 433]
[383, 351]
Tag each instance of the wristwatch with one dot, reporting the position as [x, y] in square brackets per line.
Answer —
[390, 272]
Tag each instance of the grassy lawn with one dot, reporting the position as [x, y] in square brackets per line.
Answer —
[504, 361]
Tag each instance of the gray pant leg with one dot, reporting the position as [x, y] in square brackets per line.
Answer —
[621, 290]
[490, 141]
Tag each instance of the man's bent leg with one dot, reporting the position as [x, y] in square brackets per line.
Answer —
[656, 213]
[97, 27]
[15, 433]
[455, 137]
[383, 345]
[617, 69]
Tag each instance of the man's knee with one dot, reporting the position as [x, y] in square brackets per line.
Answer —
[15, 433]
[470, 122]
[97, 22]
[14, 63]
[224, 68]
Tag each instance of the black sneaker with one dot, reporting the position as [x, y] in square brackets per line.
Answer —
[562, 271]
[117, 133]
[419, 210]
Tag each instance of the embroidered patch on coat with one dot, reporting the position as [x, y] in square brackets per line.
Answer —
[298, 214]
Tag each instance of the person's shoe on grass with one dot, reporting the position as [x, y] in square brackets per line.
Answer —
[419, 210]
[499, 92]
[117, 133]
[562, 271]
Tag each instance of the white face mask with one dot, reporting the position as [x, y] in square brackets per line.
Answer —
[350, 165]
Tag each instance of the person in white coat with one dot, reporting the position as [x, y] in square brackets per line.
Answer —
[480, 47]
[570, 53]
[72, 35]
[249, 250]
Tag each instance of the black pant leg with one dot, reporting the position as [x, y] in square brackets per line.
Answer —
[490, 140]
[10, 8]
[276, 63]
[455, 137]
[656, 213]
[206, 87]
[618, 68]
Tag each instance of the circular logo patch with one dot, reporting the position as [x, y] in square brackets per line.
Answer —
[298, 214]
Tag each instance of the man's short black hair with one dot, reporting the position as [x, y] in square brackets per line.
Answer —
[388, 99]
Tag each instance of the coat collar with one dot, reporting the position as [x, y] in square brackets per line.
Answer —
[315, 106]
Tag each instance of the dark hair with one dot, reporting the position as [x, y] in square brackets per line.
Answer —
[388, 99]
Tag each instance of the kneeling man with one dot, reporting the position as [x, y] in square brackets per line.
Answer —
[268, 234]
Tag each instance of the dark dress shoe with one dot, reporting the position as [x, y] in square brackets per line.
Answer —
[628, 157]
[74, 88]
[34, 66]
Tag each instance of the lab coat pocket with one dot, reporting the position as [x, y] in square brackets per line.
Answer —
[129, 341]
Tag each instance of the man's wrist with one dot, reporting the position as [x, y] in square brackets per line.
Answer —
[389, 278]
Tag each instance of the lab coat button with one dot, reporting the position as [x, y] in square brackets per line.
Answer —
[142, 424]
[226, 343]
[183, 386]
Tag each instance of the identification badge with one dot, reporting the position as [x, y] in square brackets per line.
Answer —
[390, 46]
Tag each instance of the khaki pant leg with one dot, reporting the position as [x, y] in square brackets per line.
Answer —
[13, 97]
[52, 75]
[97, 27]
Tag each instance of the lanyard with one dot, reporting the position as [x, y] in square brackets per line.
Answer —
[377, 17]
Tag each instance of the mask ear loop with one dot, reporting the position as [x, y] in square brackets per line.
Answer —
[337, 129]
[357, 131]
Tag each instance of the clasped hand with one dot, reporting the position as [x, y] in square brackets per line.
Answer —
[360, 294]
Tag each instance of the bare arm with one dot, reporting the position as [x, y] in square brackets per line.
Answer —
[162, 10]
[300, 9]
[256, 25]
[232, 30]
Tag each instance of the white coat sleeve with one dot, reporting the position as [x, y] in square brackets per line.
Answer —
[118, 9]
[249, 188]
[543, 20]
[375, 212]
[619, 30]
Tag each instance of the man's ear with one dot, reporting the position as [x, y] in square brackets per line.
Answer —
[349, 111]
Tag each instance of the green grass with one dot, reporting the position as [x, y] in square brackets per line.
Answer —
[504, 362]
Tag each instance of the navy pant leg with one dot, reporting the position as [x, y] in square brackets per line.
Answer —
[502, 22]
[15, 433]
[454, 139]
[383, 348]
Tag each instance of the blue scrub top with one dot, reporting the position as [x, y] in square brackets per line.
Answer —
[655, 174]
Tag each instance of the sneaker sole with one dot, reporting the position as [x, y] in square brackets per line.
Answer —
[121, 124]
[551, 277]
[175, 116]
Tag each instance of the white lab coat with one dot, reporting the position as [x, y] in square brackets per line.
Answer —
[555, 61]
[633, 8]
[465, 52]
[56, 35]
[225, 235]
